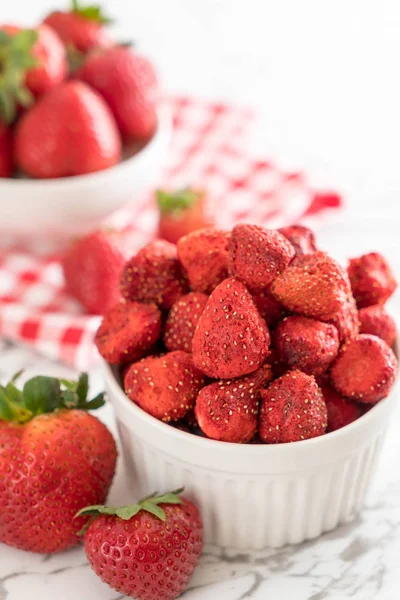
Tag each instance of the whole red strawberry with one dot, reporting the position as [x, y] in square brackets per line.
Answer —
[70, 131]
[128, 83]
[371, 278]
[147, 550]
[182, 320]
[376, 321]
[55, 458]
[301, 238]
[6, 158]
[93, 265]
[181, 213]
[81, 28]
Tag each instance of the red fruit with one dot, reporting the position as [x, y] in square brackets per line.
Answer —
[70, 131]
[82, 28]
[346, 319]
[365, 369]
[51, 59]
[166, 386]
[93, 265]
[376, 321]
[182, 320]
[231, 338]
[301, 238]
[181, 213]
[128, 83]
[204, 256]
[371, 278]
[128, 331]
[269, 308]
[6, 159]
[228, 410]
[341, 411]
[292, 409]
[154, 275]
[258, 255]
[51, 463]
[306, 344]
[148, 550]
[314, 285]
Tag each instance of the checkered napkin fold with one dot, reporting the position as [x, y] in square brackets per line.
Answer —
[205, 151]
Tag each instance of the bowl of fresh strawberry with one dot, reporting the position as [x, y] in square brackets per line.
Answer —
[81, 130]
[256, 371]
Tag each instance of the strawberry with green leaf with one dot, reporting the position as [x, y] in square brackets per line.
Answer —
[147, 550]
[55, 458]
[181, 212]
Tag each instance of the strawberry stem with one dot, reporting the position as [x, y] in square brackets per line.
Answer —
[177, 202]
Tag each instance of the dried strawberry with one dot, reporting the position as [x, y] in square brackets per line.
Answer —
[231, 338]
[182, 320]
[376, 321]
[204, 256]
[301, 238]
[372, 280]
[292, 409]
[365, 369]
[128, 330]
[346, 319]
[268, 307]
[154, 275]
[228, 410]
[306, 344]
[341, 411]
[258, 255]
[166, 386]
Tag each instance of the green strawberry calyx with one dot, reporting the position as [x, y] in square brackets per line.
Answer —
[42, 394]
[150, 504]
[177, 202]
[16, 58]
[92, 13]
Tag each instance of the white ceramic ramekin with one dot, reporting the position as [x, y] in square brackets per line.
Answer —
[254, 496]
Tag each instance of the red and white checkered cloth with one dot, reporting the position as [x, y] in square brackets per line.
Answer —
[206, 151]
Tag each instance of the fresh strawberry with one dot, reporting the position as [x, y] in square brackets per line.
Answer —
[371, 278]
[269, 308]
[376, 321]
[301, 238]
[292, 409]
[231, 338]
[182, 320]
[228, 410]
[55, 458]
[204, 256]
[6, 157]
[341, 411]
[181, 213]
[128, 331]
[365, 369]
[70, 131]
[166, 386]
[82, 28]
[346, 319]
[128, 83]
[147, 550]
[306, 344]
[154, 275]
[314, 285]
[258, 255]
[93, 265]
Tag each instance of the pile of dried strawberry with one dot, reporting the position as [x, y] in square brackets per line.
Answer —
[252, 335]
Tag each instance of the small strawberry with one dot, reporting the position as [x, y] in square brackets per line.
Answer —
[6, 157]
[154, 275]
[376, 321]
[341, 411]
[55, 458]
[306, 344]
[204, 256]
[269, 308]
[70, 131]
[181, 213]
[365, 369]
[228, 410]
[346, 319]
[182, 320]
[92, 267]
[258, 255]
[128, 331]
[147, 550]
[292, 409]
[314, 285]
[166, 386]
[128, 83]
[301, 238]
[82, 28]
[371, 278]
[231, 338]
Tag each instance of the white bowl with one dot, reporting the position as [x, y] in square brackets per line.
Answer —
[254, 496]
[57, 209]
